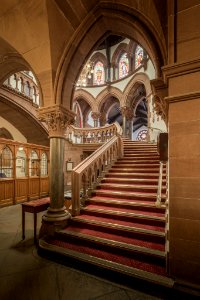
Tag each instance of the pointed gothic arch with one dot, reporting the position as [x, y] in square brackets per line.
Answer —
[111, 92]
[86, 96]
[97, 25]
[138, 78]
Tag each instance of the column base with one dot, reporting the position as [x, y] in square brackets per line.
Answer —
[54, 220]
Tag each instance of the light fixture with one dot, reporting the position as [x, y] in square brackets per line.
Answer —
[21, 148]
[86, 74]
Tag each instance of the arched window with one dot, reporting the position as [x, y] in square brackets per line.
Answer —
[99, 73]
[21, 163]
[20, 85]
[6, 163]
[34, 166]
[139, 54]
[44, 165]
[123, 65]
[27, 89]
[34, 95]
[13, 81]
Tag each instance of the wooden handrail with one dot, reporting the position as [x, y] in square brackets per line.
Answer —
[87, 174]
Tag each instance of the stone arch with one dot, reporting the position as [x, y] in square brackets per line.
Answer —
[139, 78]
[98, 56]
[86, 96]
[122, 48]
[146, 30]
[108, 92]
[13, 62]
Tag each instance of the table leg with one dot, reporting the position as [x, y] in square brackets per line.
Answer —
[23, 223]
[35, 227]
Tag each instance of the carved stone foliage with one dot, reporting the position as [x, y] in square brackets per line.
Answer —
[96, 115]
[160, 92]
[127, 112]
[57, 119]
[161, 107]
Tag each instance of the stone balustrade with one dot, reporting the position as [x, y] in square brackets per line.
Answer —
[93, 135]
[89, 172]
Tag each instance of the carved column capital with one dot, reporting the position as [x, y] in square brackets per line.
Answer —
[57, 118]
[95, 115]
[127, 112]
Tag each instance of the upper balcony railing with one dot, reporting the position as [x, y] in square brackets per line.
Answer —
[93, 135]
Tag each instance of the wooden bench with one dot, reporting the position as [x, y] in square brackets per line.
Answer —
[34, 207]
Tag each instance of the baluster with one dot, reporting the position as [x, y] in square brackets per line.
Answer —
[159, 192]
[81, 137]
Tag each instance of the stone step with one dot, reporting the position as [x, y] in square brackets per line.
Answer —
[110, 179]
[130, 188]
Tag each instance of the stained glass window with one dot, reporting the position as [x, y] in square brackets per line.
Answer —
[99, 74]
[142, 135]
[139, 53]
[123, 66]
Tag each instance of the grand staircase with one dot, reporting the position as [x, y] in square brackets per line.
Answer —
[120, 228]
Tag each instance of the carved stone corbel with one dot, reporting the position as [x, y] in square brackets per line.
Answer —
[95, 115]
[160, 105]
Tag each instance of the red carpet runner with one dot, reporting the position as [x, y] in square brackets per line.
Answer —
[120, 227]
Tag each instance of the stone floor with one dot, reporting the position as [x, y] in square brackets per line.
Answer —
[24, 275]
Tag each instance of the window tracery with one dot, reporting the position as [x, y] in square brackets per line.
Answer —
[142, 135]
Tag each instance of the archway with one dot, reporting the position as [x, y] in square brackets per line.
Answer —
[98, 24]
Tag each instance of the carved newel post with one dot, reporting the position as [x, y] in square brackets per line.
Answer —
[57, 119]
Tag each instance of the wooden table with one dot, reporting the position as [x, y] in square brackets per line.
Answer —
[34, 207]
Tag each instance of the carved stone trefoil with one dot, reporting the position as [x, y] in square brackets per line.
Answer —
[57, 118]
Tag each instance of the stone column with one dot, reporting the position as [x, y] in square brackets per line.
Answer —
[57, 119]
[96, 116]
[130, 115]
[126, 114]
